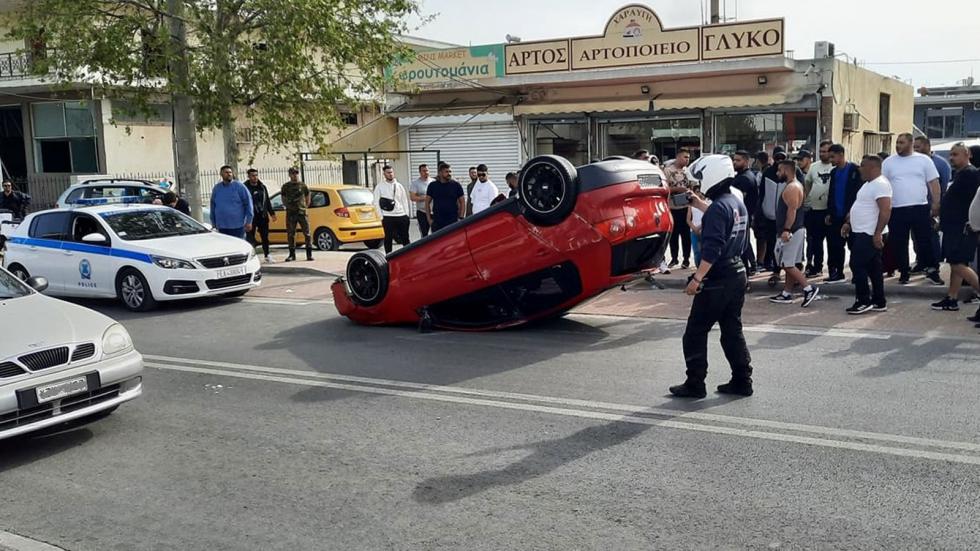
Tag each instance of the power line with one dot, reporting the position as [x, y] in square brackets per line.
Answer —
[972, 60]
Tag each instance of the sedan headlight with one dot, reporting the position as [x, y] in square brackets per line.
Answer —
[172, 263]
[116, 340]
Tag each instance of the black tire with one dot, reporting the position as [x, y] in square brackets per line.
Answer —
[133, 291]
[548, 189]
[325, 240]
[19, 272]
[367, 277]
[374, 243]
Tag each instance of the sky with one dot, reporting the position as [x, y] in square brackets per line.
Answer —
[915, 45]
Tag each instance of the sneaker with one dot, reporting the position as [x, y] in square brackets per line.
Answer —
[947, 304]
[933, 277]
[672, 264]
[289, 258]
[917, 269]
[903, 279]
[268, 259]
[813, 273]
[975, 299]
[688, 390]
[738, 388]
[858, 309]
[810, 296]
[782, 298]
[880, 307]
[686, 264]
[835, 278]
[975, 318]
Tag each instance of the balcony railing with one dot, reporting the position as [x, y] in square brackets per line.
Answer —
[15, 65]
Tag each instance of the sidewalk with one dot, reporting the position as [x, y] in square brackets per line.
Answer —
[334, 263]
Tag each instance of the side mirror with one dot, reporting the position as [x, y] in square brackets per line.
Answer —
[95, 238]
[39, 284]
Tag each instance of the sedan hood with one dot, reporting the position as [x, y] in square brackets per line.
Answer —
[200, 245]
[38, 322]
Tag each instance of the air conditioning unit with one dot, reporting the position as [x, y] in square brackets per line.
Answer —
[823, 49]
[851, 121]
[976, 106]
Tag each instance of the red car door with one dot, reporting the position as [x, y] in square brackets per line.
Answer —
[437, 270]
[505, 246]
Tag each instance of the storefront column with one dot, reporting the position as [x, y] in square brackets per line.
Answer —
[707, 133]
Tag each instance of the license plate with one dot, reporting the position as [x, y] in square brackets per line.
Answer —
[61, 389]
[230, 272]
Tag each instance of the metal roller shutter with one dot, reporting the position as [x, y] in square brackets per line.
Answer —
[496, 145]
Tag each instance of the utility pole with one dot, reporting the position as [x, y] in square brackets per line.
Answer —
[185, 137]
[715, 11]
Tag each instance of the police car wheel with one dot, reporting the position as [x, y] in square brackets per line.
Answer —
[367, 277]
[325, 240]
[19, 272]
[133, 291]
[548, 189]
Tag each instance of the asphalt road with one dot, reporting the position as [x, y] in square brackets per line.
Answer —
[274, 424]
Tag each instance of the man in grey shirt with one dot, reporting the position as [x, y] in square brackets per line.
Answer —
[416, 192]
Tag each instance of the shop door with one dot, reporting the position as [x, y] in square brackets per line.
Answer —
[662, 137]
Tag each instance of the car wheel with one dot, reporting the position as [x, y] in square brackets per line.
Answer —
[19, 272]
[134, 292]
[548, 189]
[374, 243]
[367, 277]
[325, 240]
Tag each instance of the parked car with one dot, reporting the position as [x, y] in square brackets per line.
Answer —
[59, 362]
[116, 188]
[140, 254]
[568, 236]
[942, 148]
[338, 214]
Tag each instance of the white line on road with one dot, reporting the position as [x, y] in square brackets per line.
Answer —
[754, 328]
[9, 540]
[285, 301]
[630, 413]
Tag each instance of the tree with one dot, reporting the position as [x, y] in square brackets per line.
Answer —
[289, 65]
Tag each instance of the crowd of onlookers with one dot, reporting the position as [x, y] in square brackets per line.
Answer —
[808, 212]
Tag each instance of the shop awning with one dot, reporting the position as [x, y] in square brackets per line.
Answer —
[438, 111]
[720, 102]
[582, 107]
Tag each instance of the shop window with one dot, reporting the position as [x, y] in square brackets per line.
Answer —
[764, 131]
[884, 112]
[565, 139]
[946, 122]
[64, 137]
[661, 137]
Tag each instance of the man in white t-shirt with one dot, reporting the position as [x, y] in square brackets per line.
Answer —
[391, 200]
[866, 227]
[484, 191]
[817, 186]
[915, 202]
[416, 191]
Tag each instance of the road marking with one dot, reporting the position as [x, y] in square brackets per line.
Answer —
[9, 540]
[286, 301]
[782, 330]
[756, 428]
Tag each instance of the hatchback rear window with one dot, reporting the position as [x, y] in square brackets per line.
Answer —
[356, 197]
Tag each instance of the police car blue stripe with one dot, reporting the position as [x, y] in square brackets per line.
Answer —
[83, 248]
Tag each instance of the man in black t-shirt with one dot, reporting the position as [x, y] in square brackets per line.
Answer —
[445, 202]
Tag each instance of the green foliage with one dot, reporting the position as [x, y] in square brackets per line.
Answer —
[289, 63]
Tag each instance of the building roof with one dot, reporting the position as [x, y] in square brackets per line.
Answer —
[425, 43]
[948, 100]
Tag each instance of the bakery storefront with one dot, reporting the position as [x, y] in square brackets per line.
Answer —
[637, 85]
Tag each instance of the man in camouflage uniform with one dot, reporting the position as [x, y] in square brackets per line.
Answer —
[296, 199]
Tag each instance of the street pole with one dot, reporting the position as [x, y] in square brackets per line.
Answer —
[715, 11]
[185, 138]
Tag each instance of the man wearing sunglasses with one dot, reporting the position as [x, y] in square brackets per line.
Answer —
[13, 200]
[484, 191]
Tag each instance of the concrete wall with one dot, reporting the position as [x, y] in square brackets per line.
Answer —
[855, 89]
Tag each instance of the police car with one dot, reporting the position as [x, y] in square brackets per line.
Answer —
[138, 253]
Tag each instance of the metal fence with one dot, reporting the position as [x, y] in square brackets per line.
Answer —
[46, 188]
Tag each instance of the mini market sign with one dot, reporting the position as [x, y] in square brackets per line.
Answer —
[635, 35]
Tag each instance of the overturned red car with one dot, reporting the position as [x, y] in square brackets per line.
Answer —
[569, 235]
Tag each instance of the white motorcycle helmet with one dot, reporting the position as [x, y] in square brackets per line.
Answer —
[712, 170]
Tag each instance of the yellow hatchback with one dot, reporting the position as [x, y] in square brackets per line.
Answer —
[338, 215]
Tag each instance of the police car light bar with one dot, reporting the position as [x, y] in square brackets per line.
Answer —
[125, 200]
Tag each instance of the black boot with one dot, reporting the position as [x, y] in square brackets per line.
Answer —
[975, 318]
[737, 387]
[292, 256]
[689, 390]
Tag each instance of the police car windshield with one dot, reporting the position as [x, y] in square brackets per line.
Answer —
[11, 287]
[136, 225]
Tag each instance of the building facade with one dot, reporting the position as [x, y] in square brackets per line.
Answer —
[949, 112]
[639, 85]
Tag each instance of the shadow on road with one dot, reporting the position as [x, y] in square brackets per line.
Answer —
[545, 456]
[901, 354]
[28, 449]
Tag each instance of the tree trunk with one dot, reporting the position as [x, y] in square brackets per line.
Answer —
[225, 16]
[232, 155]
[185, 128]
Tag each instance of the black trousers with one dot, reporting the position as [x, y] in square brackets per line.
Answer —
[396, 229]
[681, 232]
[912, 221]
[816, 234]
[866, 263]
[719, 302]
[261, 225]
[423, 222]
[835, 246]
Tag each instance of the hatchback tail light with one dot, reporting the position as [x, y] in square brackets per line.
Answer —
[342, 212]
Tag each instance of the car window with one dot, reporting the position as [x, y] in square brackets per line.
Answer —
[146, 193]
[319, 199]
[276, 201]
[98, 192]
[11, 287]
[356, 197]
[135, 225]
[74, 195]
[83, 224]
[50, 226]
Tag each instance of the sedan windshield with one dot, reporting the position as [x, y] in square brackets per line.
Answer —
[136, 225]
[11, 287]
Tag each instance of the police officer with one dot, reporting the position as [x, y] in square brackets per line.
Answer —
[718, 285]
[13, 200]
[296, 199]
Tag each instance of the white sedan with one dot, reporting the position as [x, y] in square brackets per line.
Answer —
[138, 253]
[59, 362]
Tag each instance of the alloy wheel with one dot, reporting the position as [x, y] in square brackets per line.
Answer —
[544, 189]
[364, 279]
[133, 292]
